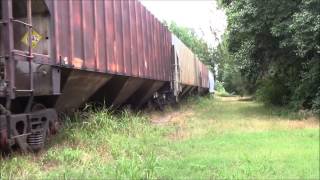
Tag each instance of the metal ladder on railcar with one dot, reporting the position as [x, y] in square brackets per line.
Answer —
[8, 65]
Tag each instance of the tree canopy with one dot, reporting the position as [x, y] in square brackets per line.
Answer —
[274, 46]
[196, 44]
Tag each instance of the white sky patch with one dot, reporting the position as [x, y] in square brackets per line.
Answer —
[201, 15]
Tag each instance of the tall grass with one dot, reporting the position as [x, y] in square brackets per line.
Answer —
[94, 142]
[206, 138]
[124, 138]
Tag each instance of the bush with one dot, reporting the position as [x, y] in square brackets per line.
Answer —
[273, 92]
[316, 104]
[307, 93]
[219, 87]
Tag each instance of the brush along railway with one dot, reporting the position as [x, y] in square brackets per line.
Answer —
[57, 55]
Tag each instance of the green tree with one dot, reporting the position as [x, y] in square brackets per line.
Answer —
[275, 47]
[196, 44]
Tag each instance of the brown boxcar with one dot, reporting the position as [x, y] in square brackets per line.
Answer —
[56, 55]
[117, 37]
[205, 76]
[192, 71]
[187, 63]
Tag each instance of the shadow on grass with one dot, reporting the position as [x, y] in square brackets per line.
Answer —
[248, 107]
[270, 112]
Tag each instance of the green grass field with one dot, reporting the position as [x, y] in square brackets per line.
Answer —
[221, 138]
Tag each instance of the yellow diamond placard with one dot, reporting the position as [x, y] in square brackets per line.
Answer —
[36, 38]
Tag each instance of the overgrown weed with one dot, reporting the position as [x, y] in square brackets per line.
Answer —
[100, 144]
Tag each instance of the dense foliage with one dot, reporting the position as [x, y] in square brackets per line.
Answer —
[196, 44]
[272, 48]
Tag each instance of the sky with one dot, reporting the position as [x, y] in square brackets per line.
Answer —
[201, 15]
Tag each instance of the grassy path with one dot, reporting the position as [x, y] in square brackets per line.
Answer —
[205, 139]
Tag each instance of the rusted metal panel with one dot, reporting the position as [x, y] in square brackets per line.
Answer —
[139, 38]
[134, 41]
[159, 54]
[154, 46]
[126, 37]
[145, 40]
[157, 49]
[198, 71]
[101, 36]
[110, 35]
[113, 36]
[192, 71]
[187, 63]
[119, 59]
[168, 52]
[149, 45]
[88, 34]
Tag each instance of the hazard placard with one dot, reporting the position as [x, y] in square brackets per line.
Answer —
[36, 38]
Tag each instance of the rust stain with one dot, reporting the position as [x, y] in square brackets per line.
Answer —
[77, 62]
[129, 32]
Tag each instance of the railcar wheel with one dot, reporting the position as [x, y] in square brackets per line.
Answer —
[42, 127]
[37, 138]
[37, 107]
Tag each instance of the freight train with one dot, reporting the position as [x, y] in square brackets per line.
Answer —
[57, 55]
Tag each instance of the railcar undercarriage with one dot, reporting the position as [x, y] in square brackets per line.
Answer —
[27, 131]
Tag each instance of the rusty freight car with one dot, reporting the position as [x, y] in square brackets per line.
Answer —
[190, 74]
[57, 55]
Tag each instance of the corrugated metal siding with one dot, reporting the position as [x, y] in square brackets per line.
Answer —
[192, 71]
[114, 36]
[187, 62]
[198, 70]
[205, 76]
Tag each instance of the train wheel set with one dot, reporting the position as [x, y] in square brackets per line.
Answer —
[55, 56]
